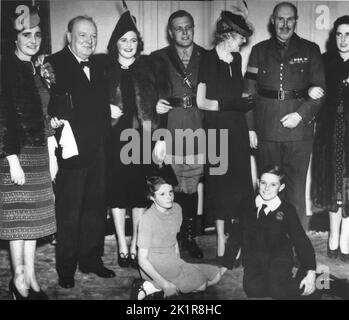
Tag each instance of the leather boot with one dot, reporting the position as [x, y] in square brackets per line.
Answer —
[192, 247]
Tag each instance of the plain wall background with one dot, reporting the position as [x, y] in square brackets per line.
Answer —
[315, 19]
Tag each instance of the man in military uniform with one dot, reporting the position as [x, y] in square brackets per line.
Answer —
[286, 73]
[182, 58]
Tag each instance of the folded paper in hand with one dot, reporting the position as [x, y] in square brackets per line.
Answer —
[67, 142]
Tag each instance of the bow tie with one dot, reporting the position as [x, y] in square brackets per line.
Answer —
[85, 64]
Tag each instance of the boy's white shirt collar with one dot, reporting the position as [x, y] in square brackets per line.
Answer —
[272, 205]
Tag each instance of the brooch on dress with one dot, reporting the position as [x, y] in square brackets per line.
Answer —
[280, 215]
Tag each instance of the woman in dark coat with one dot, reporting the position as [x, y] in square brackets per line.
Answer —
[26, 196]
[220, 95]
[330, 182]
[137, 82]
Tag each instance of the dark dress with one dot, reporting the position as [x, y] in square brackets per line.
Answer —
[225, 193]
[330, 166]
[26, 212]
[127, 182]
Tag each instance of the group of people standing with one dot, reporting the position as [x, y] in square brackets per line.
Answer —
[86, 102]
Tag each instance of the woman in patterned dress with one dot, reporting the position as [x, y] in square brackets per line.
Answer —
[26, 196]
[330, 166]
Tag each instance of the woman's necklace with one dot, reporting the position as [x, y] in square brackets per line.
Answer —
[126, 65]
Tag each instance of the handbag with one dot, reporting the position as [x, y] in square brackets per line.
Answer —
[61, 106]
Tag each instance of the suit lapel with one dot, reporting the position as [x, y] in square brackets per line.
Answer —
[79, 74]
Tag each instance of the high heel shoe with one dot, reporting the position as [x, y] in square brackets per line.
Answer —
[123, 260]
[133, 261]
[344, 256]
[16, 295]
[137, 288]
[332, 254]
[37, 295]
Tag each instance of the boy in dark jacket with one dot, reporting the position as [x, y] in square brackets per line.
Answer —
[271, 230]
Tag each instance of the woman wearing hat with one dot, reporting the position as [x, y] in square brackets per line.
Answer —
[219, 93]
[137, 82]
[26, 196]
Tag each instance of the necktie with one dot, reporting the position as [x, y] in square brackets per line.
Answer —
[185, 58]
[85, 64]
[261, 214]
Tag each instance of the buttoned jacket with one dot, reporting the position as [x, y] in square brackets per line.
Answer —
[298, 69]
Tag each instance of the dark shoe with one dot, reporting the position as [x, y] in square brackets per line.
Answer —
[16, 295]
[133, 261]
[137, 288]
[344, 256]
[123, 260]
[237, 262]
[35, 295]
[339, 287]
[101, 271]
[159, 295]
[194, 250]
[332, 254]
[66, 283]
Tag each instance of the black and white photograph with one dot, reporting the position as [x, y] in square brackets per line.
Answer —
[184, 152]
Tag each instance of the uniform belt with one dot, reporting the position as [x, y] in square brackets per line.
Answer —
[283, 94]
[182, 102]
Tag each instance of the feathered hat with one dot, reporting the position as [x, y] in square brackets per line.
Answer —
[235, 21]
[126, 23]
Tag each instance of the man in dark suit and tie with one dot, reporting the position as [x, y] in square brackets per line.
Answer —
[80, 96]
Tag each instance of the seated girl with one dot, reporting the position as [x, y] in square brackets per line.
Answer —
[163, 272]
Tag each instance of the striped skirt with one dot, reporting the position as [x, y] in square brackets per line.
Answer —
[27, 212]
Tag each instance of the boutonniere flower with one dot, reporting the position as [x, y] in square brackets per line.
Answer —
[280, 215]
[46, 71]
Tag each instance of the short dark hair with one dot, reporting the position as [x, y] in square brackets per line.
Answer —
[285, 3]
[77, 19]
[179, 14]
[153, 185]
[274, 169]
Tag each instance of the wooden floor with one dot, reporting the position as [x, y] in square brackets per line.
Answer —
[90, 287]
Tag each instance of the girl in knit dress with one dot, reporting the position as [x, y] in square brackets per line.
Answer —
[162, 269]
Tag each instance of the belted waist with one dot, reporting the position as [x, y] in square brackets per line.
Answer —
[182, 102]
[283, 94]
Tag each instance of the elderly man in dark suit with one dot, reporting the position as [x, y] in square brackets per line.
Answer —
[283, 71]
[81, 97]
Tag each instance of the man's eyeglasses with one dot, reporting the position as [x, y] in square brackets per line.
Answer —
[183, 30]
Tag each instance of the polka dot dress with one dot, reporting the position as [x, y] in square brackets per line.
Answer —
[340, 146]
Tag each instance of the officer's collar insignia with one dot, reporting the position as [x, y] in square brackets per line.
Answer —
[299, 60]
